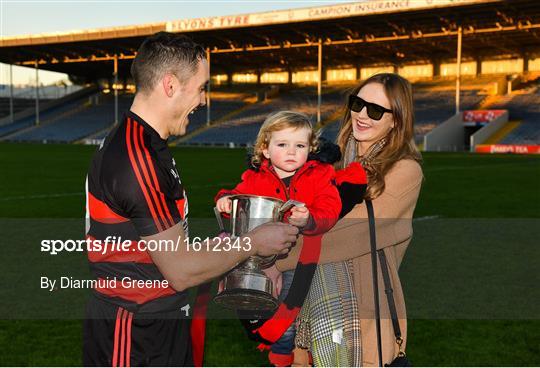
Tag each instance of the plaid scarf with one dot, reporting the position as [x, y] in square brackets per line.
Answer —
[328, 324]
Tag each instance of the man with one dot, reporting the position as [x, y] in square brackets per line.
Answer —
[134, 193]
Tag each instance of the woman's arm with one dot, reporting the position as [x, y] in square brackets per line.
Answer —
[393, 212]
[326, 205]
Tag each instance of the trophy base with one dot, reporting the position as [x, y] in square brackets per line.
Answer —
[247, 288]
[247, 300]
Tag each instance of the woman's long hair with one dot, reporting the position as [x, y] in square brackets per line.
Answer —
[399, 141]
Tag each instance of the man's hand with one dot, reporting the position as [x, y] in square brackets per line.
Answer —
[299, 216]
[184, 269]
[272, 238]
[224, 204]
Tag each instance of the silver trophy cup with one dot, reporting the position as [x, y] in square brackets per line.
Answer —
[246, 287]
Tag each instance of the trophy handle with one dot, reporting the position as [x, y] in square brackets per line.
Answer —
[287, 206]
[267, 261]
[219, 220]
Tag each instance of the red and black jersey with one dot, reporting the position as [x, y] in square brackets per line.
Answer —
[133, 190]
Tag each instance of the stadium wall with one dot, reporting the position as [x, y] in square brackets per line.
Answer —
[449, 136]
[412, 71]
[483, 134]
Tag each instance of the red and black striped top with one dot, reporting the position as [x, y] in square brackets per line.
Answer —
[133, 190]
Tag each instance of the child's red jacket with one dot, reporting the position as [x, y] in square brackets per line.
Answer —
[313, 184]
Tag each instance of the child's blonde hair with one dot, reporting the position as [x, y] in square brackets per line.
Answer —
[278, 121]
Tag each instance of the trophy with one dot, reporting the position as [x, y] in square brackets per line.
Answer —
[246, 287]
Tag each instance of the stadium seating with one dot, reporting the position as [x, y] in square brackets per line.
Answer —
[30, 121]
[243, 128]
[19, 104]
[330, 131]
[16, 126]
[219, 108]
[524, 107]
[73, 122]
[50, 110]
[430, 108]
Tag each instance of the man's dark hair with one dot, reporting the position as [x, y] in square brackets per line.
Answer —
[162, 53]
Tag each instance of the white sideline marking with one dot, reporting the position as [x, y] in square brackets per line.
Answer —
[41, 196]
[231, 185]
[490, 166]
[426, 218]
[59, 195]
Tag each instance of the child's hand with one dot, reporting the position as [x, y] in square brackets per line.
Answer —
[299, 216]
[277, 280]
[224, 204]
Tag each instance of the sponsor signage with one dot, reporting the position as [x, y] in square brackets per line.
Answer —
[309, 14]
[480, 117]
[508, 148]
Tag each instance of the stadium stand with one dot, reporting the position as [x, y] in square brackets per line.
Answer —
[29, 122]
[73, 121]
[19, 104]
[497, 53]
[434, 103]
[330, 130]
[46, 92]
[219, 108]
[431, 108]
[243, 128]
[524, 107]
[48, 110]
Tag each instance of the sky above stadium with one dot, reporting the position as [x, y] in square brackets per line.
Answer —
[23, 17]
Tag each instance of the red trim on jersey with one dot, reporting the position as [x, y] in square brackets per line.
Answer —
[116, 336]
[128, 344]
[139, 295]
[117, 254]
[123, 339]
[138, 175]
[154, 177]
[146, 176]
[180, 206]
[99, 211]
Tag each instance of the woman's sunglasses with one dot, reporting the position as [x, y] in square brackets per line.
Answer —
[374, 111]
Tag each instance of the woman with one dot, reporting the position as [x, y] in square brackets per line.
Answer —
[337, 325]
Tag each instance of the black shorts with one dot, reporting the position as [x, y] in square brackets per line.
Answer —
[113, 336]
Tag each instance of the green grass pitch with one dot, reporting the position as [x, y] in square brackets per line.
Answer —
[470, 275]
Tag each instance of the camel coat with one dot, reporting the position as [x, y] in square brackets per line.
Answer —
[349, 239]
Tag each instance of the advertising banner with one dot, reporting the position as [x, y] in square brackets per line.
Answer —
[309, 14]
[480, 117]
[508, 148]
